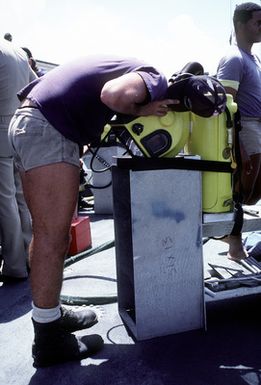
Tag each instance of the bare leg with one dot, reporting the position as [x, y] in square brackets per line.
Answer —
[236, 250]
[251, 185]
[51, 193]
[251, 182]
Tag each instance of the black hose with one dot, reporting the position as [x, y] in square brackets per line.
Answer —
[96, 300]
[92, 300]
[88, 253]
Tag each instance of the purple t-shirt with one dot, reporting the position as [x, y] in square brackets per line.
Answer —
[69, 95]
[245, 69]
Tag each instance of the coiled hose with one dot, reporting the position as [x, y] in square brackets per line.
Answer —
[94, 300]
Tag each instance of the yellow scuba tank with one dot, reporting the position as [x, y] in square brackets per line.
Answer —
[212, 140]
[158, 136]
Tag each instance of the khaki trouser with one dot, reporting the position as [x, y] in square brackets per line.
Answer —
[15, 221]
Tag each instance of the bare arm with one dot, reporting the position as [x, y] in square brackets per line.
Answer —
[125, 93]
[231, 91]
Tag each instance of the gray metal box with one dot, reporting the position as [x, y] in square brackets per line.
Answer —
[158, 233]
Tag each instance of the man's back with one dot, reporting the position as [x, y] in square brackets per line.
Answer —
[15, 73]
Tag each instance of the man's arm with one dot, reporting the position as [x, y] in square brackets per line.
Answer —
[231, 91]
[126, 94]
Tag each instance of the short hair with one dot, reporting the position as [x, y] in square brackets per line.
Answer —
[28, 52]
[8, 36]
[243, 12]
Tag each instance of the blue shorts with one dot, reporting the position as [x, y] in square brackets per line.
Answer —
[36, 142]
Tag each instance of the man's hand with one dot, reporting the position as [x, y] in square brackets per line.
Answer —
[158, 108]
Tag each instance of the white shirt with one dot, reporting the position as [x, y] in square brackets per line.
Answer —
[15, 73]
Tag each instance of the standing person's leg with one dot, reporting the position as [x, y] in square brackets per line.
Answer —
[51, 193]
[251, 181]
[49, 167]
[25, 217]
[236, 249]
[250, 137]
[13, 251]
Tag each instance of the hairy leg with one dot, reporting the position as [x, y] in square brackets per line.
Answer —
[251, 181]
[51, 193]
[251, 186]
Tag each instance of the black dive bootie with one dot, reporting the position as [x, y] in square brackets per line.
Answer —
[53, 345]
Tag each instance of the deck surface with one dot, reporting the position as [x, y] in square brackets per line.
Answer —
[227, 353]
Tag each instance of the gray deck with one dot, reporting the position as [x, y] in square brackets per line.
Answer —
[228, 353]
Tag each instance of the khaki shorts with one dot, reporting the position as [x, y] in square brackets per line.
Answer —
[36, 142]
[251, 134]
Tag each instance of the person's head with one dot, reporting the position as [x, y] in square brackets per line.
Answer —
[31, 60]
[247, 21]
[8, 36]
[28, 52]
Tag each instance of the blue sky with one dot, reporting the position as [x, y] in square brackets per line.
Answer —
[167, 33]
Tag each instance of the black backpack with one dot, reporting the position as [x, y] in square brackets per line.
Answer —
[202, 94]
